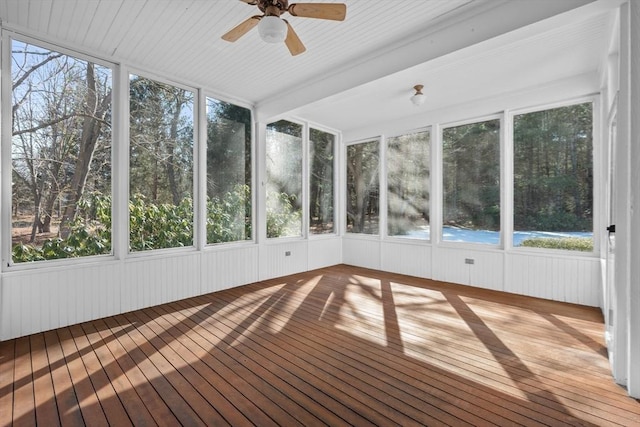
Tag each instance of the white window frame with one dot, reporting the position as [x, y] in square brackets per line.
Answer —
[6, 164]
[596, 152]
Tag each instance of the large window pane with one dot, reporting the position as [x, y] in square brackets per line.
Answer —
[61, 155]
[363, 188]
[161, 165]
[321, 160]
[284, 179]
[471, 181]
[408, 185]
[553, 178]
[228, 172]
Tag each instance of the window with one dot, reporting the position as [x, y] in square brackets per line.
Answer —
[553, 178]
[363, 188]
[284, 179]
[61, 155]
[408, 185]
[228, 172]
[161, 165]
[321, 161]
[471, 182]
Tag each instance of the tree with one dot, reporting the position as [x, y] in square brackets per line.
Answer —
[471, 175]
[161, 140]
[553, 169]
[363, 187]
[321, 153]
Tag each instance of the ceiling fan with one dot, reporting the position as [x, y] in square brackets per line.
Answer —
[274, 29]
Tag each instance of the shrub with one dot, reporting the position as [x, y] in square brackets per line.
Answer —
[584, 244]
[283, 220]
[154, 226]
[229, 218]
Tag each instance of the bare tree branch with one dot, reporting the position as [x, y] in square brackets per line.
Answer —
[34, 68]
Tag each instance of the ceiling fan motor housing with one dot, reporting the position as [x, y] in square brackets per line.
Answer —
[273, 7]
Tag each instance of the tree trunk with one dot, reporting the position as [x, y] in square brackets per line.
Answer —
[91, 128]
[171, 147]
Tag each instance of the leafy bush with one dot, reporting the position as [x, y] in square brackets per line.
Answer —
[584, 244]
[153, 226]
[88, 234]
[283, 220]
[160, 226]
[229, 219]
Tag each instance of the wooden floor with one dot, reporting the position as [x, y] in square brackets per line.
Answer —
[337, 346]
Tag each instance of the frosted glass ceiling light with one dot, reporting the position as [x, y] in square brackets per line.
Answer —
[272, 29]
[418, 98]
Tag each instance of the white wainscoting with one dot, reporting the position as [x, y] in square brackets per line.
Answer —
[224, 268]
[41, 299]
[274, 261]
[361, 251]
[411, 258]
[567, 278]
[486, 270]
[152, 281]
[560, 278]
[38, 300]
[324, 252]
[303, 255]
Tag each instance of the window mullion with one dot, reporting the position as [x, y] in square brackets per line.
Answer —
[120, 191]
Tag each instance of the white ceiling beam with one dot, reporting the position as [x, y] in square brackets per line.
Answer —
[486, 21]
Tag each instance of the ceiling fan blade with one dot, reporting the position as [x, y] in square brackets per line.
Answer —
[332, 11]
[293, 42]
[240, 30]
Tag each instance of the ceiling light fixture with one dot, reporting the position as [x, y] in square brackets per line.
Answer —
[272, 29]
[418, 98]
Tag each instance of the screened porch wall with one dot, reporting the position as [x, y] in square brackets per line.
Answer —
[557, 275]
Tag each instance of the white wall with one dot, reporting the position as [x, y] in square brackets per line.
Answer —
[40, 299]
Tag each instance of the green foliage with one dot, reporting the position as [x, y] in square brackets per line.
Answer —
[158, 226]
[584, 244]
[229, 218]
[153, 226]
[283, 220]
[89, 234]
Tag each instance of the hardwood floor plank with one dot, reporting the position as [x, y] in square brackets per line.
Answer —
[216, 331]
[213, 366]
[23, 402]
[7, 369]
[525, 373]
[156, 371]
[44, 394]
[317, 341]
[92, 411]
[303, 393]
[143, 404]
[66, 399]
[105, 393]
[335, 367]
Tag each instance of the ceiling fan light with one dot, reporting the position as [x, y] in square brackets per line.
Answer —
[272, 29]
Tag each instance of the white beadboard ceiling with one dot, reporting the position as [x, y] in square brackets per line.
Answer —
[353, 72]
